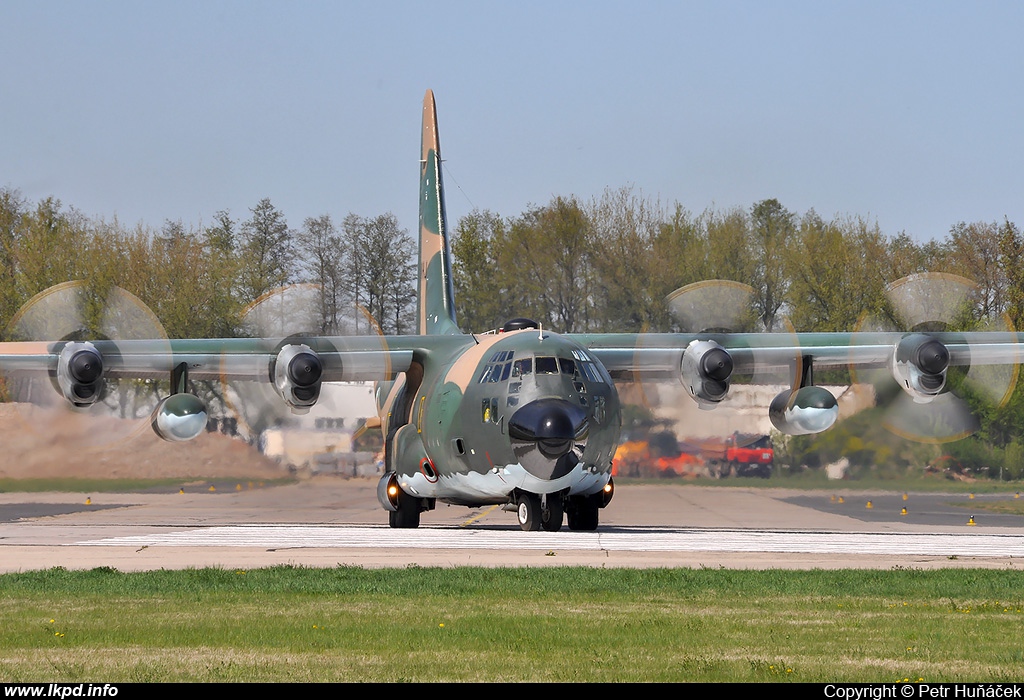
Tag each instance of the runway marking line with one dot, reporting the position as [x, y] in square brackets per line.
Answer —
[617, 539]
[478, 516]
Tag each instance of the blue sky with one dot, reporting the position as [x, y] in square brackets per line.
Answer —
[909, 113]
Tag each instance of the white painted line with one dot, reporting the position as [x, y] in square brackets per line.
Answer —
[640, 540]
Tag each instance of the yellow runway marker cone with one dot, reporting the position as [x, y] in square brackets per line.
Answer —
[971, 521]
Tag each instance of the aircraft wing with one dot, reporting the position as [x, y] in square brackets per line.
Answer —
[928, 409]
[343, 359]
[659, 355]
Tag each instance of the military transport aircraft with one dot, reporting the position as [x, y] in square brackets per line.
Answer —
[522, 417]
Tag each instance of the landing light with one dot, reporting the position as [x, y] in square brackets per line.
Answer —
[606, 494]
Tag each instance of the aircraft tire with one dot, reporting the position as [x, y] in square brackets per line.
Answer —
[582, 513]
[551, 518]
[408, 513]
[528, 512]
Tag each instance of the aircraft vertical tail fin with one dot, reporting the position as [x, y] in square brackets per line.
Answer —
[436, 301]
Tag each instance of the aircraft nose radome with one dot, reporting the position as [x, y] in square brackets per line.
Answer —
[547, 419]
[543, 433]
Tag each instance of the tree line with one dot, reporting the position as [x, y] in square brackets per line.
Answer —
[603, 265]
[608, 264]
[198, 281]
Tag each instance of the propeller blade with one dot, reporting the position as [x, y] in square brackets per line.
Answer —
[295, 315]
[76, 315]
[945, 419]
[936, 302]
[705, 309]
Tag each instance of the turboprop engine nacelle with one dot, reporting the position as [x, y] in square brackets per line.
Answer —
[80, 373]
[804, 411]
[919, 364]
[296, 375]
[706, 368]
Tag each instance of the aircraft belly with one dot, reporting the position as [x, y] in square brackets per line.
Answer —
[496, 485]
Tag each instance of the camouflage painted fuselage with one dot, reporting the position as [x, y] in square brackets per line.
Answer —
[454, 422]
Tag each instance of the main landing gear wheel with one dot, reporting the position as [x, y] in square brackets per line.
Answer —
[528, 512]
[408, 513]
[582, 513]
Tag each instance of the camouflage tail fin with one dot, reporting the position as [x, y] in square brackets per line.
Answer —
[436, 305]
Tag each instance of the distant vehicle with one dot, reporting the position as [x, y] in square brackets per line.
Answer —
[662, 454]
[742, 455]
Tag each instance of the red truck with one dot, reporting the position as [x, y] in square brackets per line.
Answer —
[740, 455]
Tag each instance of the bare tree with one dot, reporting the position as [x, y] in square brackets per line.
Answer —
[321, 250]
[380, 272]
[267, 252]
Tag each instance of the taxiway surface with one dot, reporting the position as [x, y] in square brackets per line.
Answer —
[330, 521]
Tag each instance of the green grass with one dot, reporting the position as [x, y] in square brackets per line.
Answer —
[545, 624]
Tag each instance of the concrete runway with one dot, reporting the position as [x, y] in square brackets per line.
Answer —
[330, 521]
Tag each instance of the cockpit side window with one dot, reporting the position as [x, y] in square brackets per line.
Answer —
[588, 368]
[567, 366]
[590, 372]
[497, 368]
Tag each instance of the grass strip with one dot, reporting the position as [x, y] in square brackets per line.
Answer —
[516, 624]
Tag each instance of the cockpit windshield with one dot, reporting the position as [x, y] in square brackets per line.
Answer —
[547, 365]
[500, 367]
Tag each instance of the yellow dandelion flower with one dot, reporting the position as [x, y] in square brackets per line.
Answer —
[441, 625]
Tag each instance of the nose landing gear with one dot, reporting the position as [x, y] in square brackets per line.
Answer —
[539, 512]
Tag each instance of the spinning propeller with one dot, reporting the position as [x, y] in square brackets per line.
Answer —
[769, 368]
[931, 362]
[82, 398]
[306, 340]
